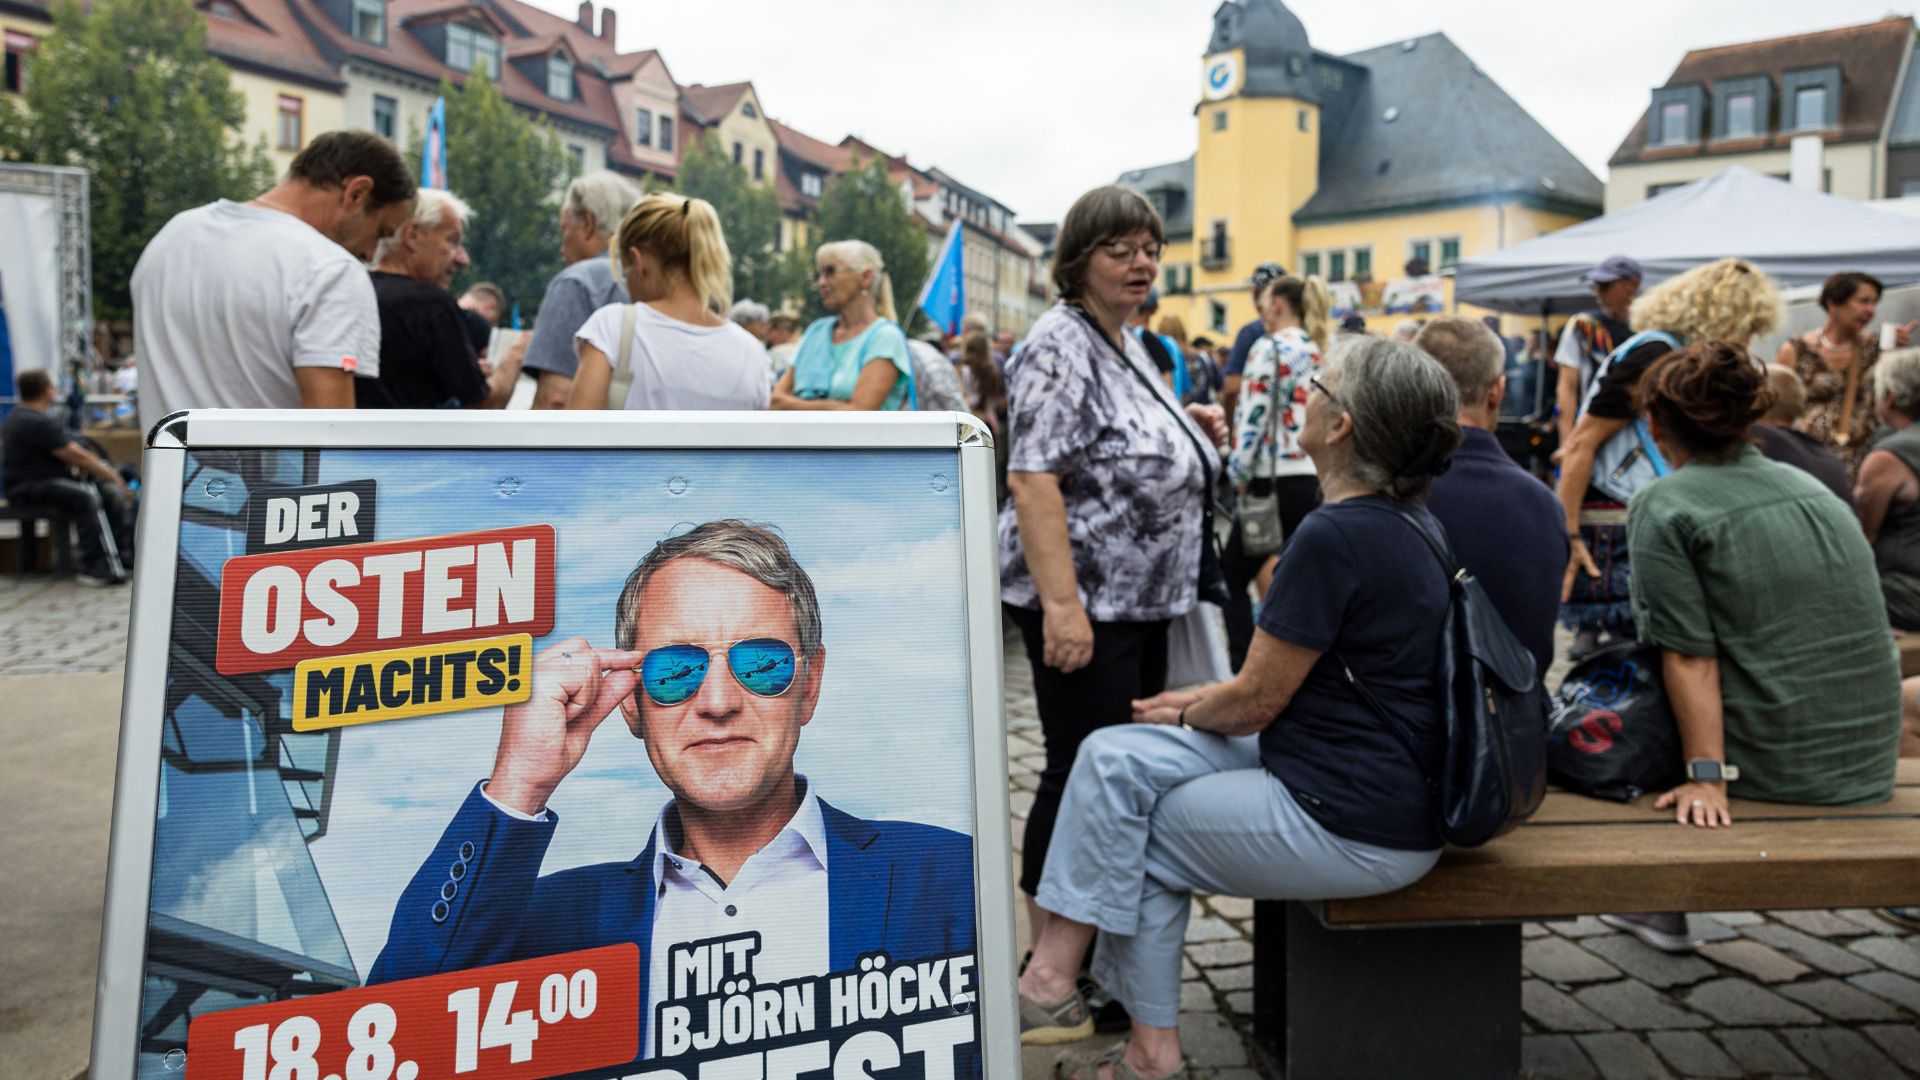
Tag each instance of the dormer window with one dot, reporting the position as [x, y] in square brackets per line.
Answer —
[469, 47]
[221, 9]
[560, 77]
[810, 184]
[1676, 122]
[1810, 108]
[370, 21]
[747, 110]
[1742, 123]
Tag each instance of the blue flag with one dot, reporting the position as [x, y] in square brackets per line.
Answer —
[433, 157]
[6, 344]
[944, 296]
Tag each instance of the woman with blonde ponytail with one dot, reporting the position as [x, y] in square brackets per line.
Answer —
[855, 358]
[1267, 461]
[674, 341]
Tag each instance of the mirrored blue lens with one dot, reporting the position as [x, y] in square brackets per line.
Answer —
[764, 666]
[673, 673]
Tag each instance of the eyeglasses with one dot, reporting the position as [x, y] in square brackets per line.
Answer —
[1124, 253]
[1314, 381]
[671, 674]
[825, 273]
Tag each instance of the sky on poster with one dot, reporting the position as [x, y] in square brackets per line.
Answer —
[879, 532]
[1034, 103]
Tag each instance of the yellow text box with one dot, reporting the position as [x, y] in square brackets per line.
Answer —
[448, 676]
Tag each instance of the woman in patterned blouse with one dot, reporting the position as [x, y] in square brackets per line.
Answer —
[1836, 362]
[1100, 543]
[1294, 315]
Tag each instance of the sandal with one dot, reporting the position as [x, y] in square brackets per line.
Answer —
[1086, 1066]
[1064, 1021]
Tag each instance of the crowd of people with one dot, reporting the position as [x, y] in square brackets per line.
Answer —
[1285, 478]
[1703, 495]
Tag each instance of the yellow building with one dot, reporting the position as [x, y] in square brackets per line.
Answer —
[1377, 171]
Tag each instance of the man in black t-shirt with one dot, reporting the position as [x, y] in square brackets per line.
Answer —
[39, 457]
[427, 359]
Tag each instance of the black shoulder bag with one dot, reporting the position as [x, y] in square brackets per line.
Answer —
[1213, 576]
[1493, 772]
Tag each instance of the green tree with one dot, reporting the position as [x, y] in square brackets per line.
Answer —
[750, 214]
[511, 171]
[127, 90]
[864, 203]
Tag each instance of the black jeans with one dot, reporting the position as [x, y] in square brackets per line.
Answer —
[1298, 496]
[102, 520]
[1129, 661]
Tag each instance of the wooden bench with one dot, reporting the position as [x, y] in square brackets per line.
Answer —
[1426, 981]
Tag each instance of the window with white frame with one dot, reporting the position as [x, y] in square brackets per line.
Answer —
[666, 133]
[386, 116]
[1425, 248]
[1338, 264]
[1449, 252]
[810, 184]
[560, 77]
[292, 122]
[643, 127]
[1310, 264]
[370, 21]
[470, 47]
[20, 50]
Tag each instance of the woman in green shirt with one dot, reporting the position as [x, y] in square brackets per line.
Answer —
[1759, 588]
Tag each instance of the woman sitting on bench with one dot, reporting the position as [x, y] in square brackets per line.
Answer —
[1760, 590]
[1280, 784]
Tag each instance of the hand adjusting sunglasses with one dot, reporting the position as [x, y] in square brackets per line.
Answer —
[671, 674]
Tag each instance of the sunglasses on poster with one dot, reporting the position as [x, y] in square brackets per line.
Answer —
[671, 674]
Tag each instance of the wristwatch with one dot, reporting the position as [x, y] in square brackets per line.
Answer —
[1708, 771]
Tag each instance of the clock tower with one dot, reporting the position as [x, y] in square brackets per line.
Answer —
[1258, 156]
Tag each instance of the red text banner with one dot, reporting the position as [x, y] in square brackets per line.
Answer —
[280, 608]
[520, 1021]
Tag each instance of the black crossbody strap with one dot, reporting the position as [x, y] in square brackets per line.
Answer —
[1179, 421]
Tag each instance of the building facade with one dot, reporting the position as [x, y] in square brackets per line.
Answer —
[1376, 170]
[1852, 88]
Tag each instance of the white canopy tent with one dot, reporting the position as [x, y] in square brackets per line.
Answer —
[1798, 237]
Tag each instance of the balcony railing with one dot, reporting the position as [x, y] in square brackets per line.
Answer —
[1215, 254]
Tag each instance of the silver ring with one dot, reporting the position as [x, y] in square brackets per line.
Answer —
[1699, 802]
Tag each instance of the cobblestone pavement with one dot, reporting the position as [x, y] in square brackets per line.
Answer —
[1774, 994]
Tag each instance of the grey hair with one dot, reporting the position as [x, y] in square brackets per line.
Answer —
[429, 205]
[1406, 329]
[605, 195]
[1471, 353]
[749, 311]
[1405, 412]
[757, 551]
[1897, 376]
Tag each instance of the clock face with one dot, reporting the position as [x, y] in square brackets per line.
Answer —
[1220, 76]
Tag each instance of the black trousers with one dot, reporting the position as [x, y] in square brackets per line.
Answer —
[1129, 661]
[1298, 496]
[102, 520]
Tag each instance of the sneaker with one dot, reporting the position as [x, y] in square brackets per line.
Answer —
[1907, 917]
[1063, 1021]
[1666, 931]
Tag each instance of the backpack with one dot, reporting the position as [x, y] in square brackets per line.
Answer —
[1493, 771]
[1629, 460]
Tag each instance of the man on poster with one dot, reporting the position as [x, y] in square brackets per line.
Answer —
[744, 845]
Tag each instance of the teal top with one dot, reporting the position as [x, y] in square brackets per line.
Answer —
[825, 371]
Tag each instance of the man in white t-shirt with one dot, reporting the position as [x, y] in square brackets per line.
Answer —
[267, 304]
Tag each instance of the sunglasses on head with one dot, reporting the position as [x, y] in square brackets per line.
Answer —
[671, 674]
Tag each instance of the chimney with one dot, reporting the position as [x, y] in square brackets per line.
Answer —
[585, 18]
[606, 24]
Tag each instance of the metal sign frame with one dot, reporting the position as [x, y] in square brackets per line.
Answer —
[123, 944]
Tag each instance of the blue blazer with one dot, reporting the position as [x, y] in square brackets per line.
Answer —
[896, 887]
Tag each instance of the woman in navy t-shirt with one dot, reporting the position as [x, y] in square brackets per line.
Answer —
[1281, 784]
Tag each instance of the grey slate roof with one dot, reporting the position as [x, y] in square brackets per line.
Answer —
[1170, 188]
[1274, 42]
[1455, 135]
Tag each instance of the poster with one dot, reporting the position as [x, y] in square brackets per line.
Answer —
[1416, 295]
[578, 761]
